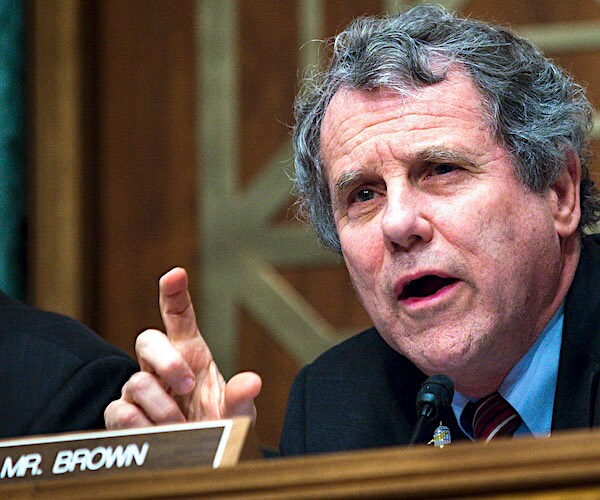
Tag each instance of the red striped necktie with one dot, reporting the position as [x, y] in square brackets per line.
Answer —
[494, 417]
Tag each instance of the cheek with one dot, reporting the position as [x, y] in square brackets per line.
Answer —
[492, 222]
[510, 229]
[507, 243]
[363, 254]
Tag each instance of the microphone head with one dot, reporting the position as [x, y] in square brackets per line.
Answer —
[435, 393]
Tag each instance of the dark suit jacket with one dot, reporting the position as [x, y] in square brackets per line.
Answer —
[55, 374]
[361, 393]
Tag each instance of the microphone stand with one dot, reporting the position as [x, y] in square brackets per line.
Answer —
[417, 430]
[435, 393]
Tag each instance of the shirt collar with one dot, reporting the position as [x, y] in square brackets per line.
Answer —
[530, 386]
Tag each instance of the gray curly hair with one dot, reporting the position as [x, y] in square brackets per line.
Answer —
[535, 109]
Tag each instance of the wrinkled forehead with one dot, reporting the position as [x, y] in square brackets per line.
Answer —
[351, 109]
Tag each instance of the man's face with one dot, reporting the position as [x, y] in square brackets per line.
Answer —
[457, 263]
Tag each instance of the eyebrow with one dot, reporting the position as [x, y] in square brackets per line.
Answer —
[441, 153]
[346, 180]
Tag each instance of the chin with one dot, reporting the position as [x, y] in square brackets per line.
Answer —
[441, 355]
[446, 365]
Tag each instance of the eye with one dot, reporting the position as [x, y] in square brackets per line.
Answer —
[364, 195]
[443, 168]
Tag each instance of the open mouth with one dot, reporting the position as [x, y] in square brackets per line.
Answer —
[425, 286]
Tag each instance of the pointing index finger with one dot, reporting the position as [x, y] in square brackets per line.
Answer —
[176, 306]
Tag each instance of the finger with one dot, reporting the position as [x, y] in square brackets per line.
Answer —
[121, 414]
[240, 392]
[156, 354]
[147, 393]
[176, 306]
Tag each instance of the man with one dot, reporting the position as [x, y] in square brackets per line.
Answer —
[446, 160]
[57, 375]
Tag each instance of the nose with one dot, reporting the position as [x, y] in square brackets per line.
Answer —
[403, 223]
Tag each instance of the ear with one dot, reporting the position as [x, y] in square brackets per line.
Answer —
[563, 196]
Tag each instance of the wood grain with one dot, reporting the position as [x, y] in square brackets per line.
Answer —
[564, 466]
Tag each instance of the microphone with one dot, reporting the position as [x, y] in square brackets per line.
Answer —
[435, 394]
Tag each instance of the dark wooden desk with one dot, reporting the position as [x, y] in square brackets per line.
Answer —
[566, 465]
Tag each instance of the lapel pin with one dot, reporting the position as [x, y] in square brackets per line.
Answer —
[441, 436]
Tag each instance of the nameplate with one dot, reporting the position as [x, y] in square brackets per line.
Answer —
[213, 444]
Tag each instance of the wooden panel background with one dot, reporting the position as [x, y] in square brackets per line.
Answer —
[57, 155]
[144, 119]
[137, 163]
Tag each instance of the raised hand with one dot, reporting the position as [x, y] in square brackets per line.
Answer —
[179, 380]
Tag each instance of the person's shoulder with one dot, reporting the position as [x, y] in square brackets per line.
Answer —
[591, 242]
[365, 351]
[22, 324]
[589, 263]
[582, 306]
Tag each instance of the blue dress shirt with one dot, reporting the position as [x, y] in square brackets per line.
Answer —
[530, 386]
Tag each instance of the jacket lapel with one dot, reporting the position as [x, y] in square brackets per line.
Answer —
[577, 398]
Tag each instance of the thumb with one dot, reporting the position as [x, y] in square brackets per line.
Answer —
[240, 392]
